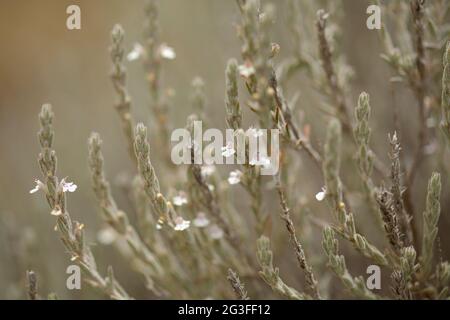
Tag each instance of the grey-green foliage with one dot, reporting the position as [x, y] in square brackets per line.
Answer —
[270, 274]
[71, 232]
[402, 276]
[116, 218]
[337, 263]
[234, 113]
[362, 135]
[162, 207]
[430, 222]
[334, 193]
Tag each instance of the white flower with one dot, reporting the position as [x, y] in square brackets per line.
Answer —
[106, 236]
[211, 187]
[180, 199]
[167, 52]
[158, 226]
[256, 132]
[235, 177]
[228, 151]
[215, 232]
[39, 186]
[201, 220]
[181, 224]
[246, 70]
[207, 170]
[262, 161]
[56, 212]
[136, 53]
[68, 186]
[321, 195]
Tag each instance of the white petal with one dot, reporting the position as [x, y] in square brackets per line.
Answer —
[207, 170]
[321, 195]
[136, 53]
[201, 220]
[181, 224]
[180, 199]
[39, 186]
[228, 151]
[257, 133]
[56, 212]
[167, 52]
[68, 186]
[106, 236]
[234, 177]
[246, 70]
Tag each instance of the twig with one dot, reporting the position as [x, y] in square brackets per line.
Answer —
[32, 286]
[237, 285]
[310, 279]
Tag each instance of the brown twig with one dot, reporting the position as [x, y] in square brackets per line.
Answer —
[310, 279]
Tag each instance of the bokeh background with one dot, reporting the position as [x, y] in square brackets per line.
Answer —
[43, 62]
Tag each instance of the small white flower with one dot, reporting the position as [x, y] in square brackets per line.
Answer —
[215, 232]
[321, 194]
[207, 170]
[180, 199]
[68, 186]
[181, 224]
[246, 70]
[234, 177]
[256, 132]
[56, 212]
[201, 220]
[136, 53]
[39, 186]
[228, 151]
[262, 161]
[167, 52]
[106, 236]
[211, 187]
[158, 226]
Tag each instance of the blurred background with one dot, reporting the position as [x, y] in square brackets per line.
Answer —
[43, 62]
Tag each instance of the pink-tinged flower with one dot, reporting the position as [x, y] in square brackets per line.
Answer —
[68, 186]
[180, 199]
[246, 70]
[201, 220]
[181, 224]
